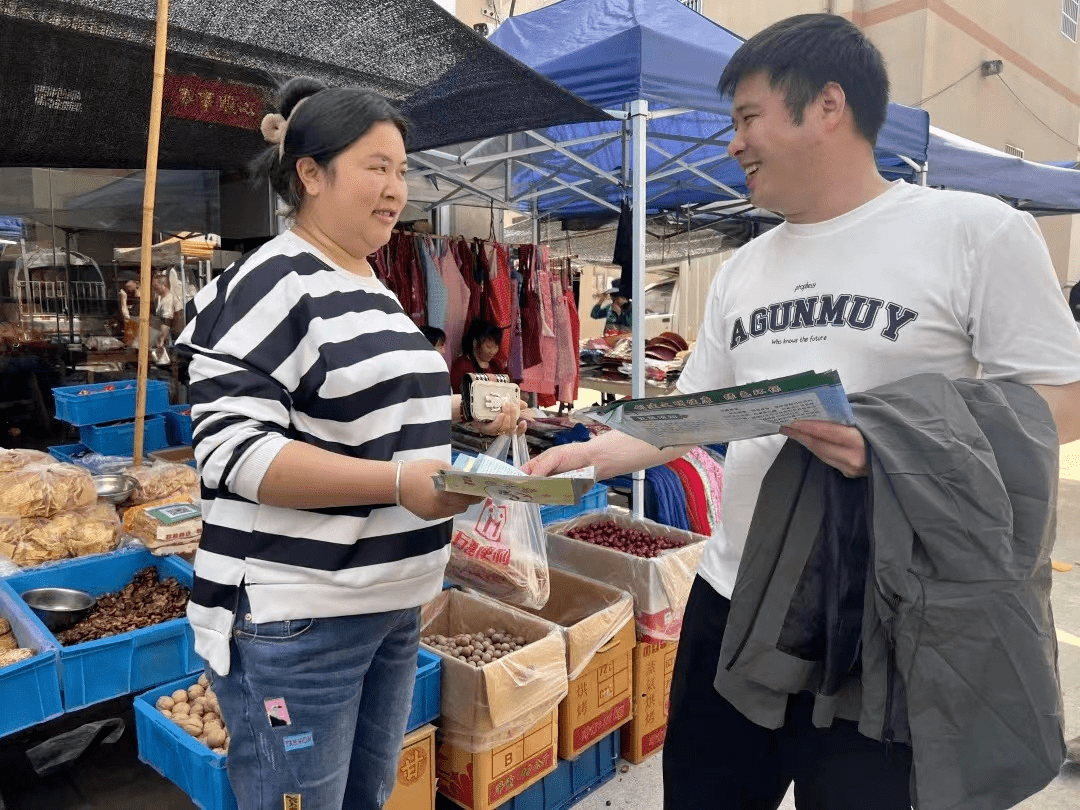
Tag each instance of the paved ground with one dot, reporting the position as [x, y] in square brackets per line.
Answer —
[112, 778]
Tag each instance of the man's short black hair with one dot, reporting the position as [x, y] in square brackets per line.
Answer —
[801, 54]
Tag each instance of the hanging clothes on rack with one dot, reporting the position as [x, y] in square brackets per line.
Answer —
[566, 355]
[436, 288]
[540, 379]
[473, 270]
[498, 307]
[529, 298]
[567, 386]
[515, 364]
[457, 298]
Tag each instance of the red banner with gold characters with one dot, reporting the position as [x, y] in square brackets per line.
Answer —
[231, 104]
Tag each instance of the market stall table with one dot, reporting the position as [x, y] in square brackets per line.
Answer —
[617, 388]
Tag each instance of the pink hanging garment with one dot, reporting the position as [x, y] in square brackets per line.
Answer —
[541, 378]
[457, 300]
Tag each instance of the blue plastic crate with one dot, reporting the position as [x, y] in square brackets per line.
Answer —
[595, 498]
[177, 756]
[69, 453]
[571, 781]
[107, 402]
[119, 439]
[30, 689]
[201, 773]
[178, 425]
[427, 691]
[126, 663]
[86, 458]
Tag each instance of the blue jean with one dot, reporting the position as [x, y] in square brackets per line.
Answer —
[317, 708]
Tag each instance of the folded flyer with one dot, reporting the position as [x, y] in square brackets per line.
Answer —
[741, 412]
[488, 477]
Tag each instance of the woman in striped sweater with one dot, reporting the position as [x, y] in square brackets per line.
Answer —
[320, 415]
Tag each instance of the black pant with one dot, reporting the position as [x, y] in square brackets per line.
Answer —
[715, 758]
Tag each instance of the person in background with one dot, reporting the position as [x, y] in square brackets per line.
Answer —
[436, 336]
[882, 281]
[128, 296]
[618, 314]
[320, 415]
[478, 349]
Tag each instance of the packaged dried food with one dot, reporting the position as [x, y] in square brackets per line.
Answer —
[170, 525]
[17, 459]
[15, 656]
[93, 530]
[40, 490]
[35, 544]
[160, 480]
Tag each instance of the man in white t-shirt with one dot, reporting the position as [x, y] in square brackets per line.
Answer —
[877, 280]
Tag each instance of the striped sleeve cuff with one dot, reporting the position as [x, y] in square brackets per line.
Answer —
[247, 475]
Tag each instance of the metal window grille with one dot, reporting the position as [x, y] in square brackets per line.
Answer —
[695, 5]
[1070, 14]
[1012, 150]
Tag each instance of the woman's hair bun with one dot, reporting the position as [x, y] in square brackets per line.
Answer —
[296, 90]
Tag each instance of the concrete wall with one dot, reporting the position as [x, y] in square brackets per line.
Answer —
[933, 49]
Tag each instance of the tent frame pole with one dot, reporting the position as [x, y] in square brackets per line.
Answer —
[639, 117]
[149, 193]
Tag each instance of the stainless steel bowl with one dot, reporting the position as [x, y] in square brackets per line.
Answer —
[115, 488]
[59, 608]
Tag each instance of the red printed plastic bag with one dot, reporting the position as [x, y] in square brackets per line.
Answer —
[500, 546]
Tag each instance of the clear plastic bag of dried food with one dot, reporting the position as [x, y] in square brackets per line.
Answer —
[499, 546]
[42, 490]
[162, 479]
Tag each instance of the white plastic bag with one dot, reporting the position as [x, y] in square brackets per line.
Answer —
[500, 546]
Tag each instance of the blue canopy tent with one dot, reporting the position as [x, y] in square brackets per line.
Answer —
[1040, 188]
[614, 52]
[654, 65]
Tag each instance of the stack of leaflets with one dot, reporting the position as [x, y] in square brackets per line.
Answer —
[741, 412]
[487, 477]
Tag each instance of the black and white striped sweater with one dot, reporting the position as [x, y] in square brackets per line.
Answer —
[288, 346]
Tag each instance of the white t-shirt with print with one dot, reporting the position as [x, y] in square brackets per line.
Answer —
[916, 280]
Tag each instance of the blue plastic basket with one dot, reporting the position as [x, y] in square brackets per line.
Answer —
[95, 403]
[69, 453]
[177, 756]
[200, 773]
[178, 425]
[571, 781]
[595, 498]
[126, 663]
[30, 689]
[427, 691]
[119, 439]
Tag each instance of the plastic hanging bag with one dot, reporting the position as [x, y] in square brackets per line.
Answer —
[500, 546]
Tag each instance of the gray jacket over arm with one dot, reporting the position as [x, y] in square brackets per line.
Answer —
[957, 652]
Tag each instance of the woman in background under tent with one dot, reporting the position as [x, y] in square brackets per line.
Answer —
[479, 348]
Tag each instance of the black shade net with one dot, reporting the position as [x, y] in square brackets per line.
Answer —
[75, 77]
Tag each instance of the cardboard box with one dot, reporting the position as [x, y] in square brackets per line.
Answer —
[660, 585]
[485, 779]
[486, 708]
[653, 665]
[415, 789]
[597, 625]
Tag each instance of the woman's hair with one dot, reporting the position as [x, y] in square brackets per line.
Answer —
[330, 120]
[433, 333]
[479, 330]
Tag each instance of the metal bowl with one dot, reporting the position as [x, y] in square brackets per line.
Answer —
[115, 488]
[59, 608]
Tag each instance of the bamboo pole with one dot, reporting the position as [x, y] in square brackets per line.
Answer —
[149, 193]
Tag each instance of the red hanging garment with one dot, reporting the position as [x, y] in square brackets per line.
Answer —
[498, 295]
